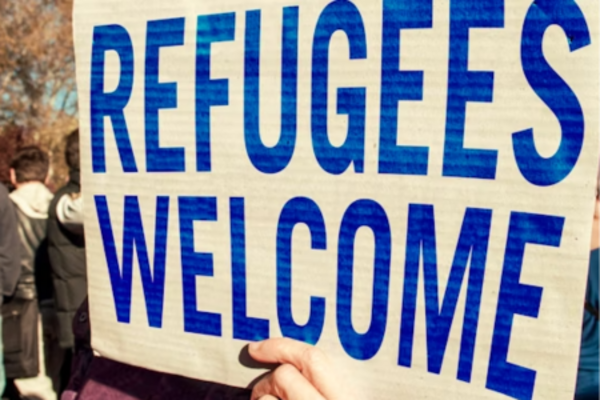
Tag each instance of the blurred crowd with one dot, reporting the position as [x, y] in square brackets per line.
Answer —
[42, 268]
[43, 283]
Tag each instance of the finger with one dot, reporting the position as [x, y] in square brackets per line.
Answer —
[287, 351]
[286, 383]
[268, 397]
[309, 360]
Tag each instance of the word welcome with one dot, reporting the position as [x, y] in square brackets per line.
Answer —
[514, 298]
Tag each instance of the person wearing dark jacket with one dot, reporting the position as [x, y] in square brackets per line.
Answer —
[29, 171]
[66, 247]
[10, 266]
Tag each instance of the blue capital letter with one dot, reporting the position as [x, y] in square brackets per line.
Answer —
[161, 33]
[297, 211]
[465, 86]
[363, 213]
[472, 245]
[244, 327]
[133, 236]
[196, 264]
[275, 159]
[517, 298]
[102, 104]
[399, 85]
[553, 91]
[344, 16]
[209, 92]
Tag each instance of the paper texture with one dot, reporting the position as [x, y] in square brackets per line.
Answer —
[345, 230]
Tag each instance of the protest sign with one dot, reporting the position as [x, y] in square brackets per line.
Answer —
[407, 184]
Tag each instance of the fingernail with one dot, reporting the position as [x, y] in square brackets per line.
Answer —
[254, 346]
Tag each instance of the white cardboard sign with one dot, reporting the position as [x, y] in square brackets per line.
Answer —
[407, 184]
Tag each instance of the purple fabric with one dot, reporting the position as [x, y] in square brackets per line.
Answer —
[95, 378]
[110, 380]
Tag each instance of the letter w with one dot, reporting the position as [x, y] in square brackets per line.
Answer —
[133, 235]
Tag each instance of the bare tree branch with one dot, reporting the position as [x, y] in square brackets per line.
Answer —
[37, 68]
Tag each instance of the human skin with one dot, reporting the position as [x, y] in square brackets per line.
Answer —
[305, 372]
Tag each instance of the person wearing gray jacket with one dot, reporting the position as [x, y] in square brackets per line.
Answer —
[31, 198]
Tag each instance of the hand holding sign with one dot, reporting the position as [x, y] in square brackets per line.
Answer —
[306, 372]
[404, 184]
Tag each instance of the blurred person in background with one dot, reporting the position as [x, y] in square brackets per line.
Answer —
[10, 260]
[28, 172]
[588, 375]
[66, 246]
